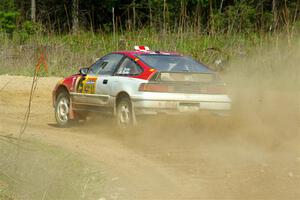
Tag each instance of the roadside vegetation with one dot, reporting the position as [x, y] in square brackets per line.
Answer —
[66, 53]
[74, 35]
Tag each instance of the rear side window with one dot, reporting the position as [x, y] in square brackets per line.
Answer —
[173, 63]
[129, 68]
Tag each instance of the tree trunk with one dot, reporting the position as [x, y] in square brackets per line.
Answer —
[134, 15]
[198, 17]
[221, 6]
[164, 17]
[33, 11]
[274, 11]
[113, 22]
[75, 24]
[150, 13]
[211, 17]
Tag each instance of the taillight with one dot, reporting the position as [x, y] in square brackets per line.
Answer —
[154, 87]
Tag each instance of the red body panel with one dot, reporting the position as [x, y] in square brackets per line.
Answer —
[68, 83]
[147, 71]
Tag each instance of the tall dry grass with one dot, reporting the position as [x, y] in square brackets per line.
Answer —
[68, 52]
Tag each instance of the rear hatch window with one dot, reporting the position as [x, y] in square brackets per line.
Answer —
[173, 63]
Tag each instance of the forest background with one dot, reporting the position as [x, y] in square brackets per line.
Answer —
[76, 32]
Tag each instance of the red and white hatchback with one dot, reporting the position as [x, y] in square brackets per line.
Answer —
[127, 84]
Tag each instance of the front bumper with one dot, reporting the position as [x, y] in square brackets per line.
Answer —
[180, 103]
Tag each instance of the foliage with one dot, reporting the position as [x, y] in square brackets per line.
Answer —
[203, 16]
[27, 29]
[240, 17]
[8, 21]
[7, 6]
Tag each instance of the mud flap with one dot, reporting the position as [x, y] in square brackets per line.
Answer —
[71, 112]
[134, 121]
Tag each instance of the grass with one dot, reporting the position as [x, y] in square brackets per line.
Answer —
[65, 53]
[256, 54]
[41, 171]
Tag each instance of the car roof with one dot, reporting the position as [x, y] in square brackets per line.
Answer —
[147, 52]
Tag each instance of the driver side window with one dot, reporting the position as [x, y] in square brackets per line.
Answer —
[106, 65]
[109, 64]
[94, 69]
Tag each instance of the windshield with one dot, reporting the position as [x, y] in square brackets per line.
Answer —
[173, 63]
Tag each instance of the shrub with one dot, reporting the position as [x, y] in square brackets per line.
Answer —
[8, 21]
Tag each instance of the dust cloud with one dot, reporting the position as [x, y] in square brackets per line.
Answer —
[252, 154]
[255, 152]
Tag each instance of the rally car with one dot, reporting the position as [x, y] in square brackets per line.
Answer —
[127, 84]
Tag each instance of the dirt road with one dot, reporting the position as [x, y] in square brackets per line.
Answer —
[254, 155]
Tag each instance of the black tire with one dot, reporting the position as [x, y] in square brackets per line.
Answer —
[124, 115]
[62, 110]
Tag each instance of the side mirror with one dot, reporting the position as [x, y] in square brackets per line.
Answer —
[83, 71]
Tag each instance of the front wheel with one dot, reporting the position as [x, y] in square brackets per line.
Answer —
[62, 110]
[124, 113]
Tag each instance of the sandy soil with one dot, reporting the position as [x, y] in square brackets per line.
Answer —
[253, 155]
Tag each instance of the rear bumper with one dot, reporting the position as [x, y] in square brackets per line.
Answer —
[180, 103]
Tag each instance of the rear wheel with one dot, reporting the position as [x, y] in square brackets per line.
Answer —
[62, 110]
[124, 113]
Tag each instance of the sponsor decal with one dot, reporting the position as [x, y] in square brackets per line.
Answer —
[89, 85]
